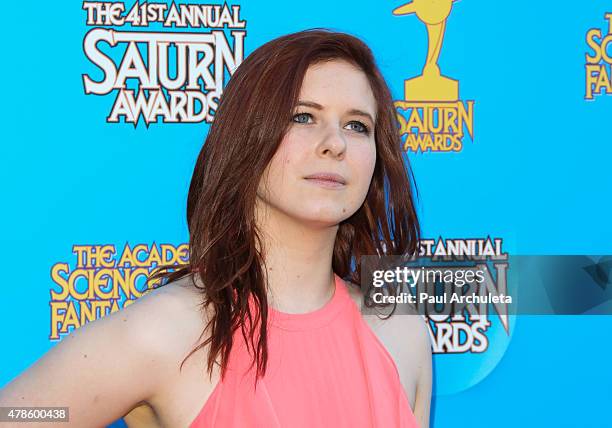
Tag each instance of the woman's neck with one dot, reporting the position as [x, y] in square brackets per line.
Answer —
[298, 259]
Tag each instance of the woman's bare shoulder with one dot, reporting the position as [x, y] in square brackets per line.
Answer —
[179, 326]
[181, 316]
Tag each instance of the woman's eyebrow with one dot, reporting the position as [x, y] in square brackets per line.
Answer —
[320, 107]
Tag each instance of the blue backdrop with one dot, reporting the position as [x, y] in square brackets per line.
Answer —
[535, 173]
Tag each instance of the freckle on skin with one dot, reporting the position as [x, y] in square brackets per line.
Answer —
[85, 355]
[343, 210]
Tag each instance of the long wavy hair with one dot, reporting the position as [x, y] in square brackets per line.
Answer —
[253, 115]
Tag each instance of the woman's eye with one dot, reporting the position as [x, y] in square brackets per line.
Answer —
[361, 128]
[304, 117]
[300, 116]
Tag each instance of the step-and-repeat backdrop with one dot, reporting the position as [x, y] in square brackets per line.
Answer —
[106, 106]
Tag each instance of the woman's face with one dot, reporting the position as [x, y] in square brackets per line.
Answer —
[332, 131]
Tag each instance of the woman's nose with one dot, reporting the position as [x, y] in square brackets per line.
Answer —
[333, 141]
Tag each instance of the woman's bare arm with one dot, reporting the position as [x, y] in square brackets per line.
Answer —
[103, 369]
[422, 405]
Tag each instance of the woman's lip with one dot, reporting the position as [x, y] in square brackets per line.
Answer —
[330, 176]
[331, 184]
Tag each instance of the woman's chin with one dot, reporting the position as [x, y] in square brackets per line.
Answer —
[325, 217]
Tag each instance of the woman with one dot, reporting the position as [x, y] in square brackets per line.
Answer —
[301, 174]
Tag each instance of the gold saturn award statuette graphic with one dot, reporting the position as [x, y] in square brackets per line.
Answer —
[434, 118]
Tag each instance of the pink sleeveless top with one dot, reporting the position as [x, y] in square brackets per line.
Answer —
[326, 368]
